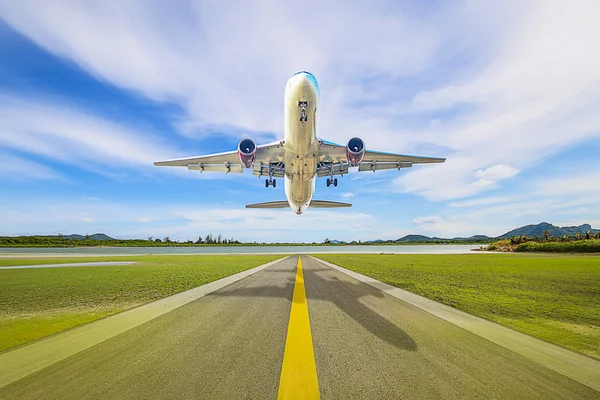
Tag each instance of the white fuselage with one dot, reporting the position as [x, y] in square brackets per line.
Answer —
[301, 144]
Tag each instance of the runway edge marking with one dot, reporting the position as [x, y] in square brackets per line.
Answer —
[30, 358]
[580, 368]
[299, 370]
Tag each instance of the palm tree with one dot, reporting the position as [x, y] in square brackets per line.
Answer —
[546, 233]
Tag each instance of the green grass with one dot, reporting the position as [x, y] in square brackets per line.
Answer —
[552, 297]
[35, 303]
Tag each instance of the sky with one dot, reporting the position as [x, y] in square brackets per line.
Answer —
[91, 93]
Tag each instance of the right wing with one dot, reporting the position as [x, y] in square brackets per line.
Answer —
[333, 157]
[228, 161]
[328, 204]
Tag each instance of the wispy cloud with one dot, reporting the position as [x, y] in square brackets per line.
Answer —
[178, 221]
[18, 168]
[67, 135]
[482, 201]
[498, 88]
[532, 98]
[526, 95]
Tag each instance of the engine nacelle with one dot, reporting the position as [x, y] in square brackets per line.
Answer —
[355, 151]
[247, 152]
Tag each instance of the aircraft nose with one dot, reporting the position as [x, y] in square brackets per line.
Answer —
[303, 78]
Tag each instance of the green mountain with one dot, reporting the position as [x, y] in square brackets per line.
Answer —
[415, 238]
[527, 230]
[539, 229]
[95, 236]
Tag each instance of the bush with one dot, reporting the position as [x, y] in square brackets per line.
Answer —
[579, 246]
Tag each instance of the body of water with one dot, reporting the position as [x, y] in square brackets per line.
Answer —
[81, 251]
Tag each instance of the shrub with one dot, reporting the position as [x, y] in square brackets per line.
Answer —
[579, 246]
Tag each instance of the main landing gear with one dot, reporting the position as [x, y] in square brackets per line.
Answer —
[331, 182]
[270, 182]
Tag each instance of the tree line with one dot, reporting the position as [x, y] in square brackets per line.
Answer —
[87, 241]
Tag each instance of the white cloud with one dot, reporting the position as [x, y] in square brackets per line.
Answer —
[482, 201]
[440, 227]
[347, 194]
[225, 66]
[496, 173]
[530, 89]
[572, 185]
[18, 168]
[427, 220]
[533, 98]
[68, 135]
[179, 221]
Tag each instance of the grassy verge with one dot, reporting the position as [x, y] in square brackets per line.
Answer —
[555, 298]
[575, 246]
[35, 303]
[579, 246]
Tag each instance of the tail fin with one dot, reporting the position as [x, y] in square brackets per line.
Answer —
[328, 204]
[270, 204]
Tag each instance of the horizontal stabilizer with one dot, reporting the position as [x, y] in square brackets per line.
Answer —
[328, 204]
[269, 204]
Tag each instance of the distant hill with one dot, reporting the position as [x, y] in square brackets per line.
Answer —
[539, 229]
[415, 238]
[95, 236]
[422, 238]
[528, 230]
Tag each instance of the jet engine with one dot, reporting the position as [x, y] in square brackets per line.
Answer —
[355, 151]
[247, 152]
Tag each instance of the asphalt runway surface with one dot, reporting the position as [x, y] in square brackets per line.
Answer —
[249, 340]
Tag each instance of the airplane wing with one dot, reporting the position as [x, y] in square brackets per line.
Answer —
[228, 161]
[270, 204]
[333, 156]
[313, 204]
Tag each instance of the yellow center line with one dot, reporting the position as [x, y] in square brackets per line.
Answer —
[299, 371]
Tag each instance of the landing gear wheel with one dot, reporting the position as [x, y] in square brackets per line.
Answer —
[328, 182]
[335, 182]
[274, 183]
[266, 183]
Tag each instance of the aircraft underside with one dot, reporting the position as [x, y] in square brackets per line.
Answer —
[301, 157]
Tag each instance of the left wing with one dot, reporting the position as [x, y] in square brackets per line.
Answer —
[229, 161]
[333, 156]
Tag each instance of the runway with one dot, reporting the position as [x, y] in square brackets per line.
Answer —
[250, 340]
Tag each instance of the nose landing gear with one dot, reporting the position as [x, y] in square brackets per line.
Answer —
[270, 182]
[333, 182]
[303, 105]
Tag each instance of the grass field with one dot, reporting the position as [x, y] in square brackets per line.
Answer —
[35, 303]
[552, 297]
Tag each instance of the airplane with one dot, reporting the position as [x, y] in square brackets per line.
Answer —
[301, 156]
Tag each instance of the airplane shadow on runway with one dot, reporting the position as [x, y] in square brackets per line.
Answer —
[344, 295]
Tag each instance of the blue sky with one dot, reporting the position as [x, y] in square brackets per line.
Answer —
[92, 93]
